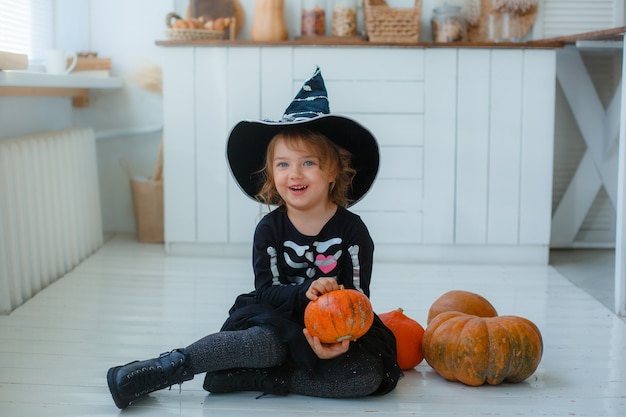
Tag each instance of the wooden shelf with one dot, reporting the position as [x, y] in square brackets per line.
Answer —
[354, 41]
[612, 34]
[21, 83]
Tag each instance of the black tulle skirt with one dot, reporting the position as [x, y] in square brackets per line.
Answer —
[378, 342]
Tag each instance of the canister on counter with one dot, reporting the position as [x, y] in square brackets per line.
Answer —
[344, 18]
[313, 22]
[448, 24]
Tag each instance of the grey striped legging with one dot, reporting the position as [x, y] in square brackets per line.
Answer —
[260, 347]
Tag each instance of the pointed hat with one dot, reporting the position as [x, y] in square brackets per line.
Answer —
[249, 139]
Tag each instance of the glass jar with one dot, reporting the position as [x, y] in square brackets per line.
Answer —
[344, 18]
[503, 27]
[448, 24]
[313, 21]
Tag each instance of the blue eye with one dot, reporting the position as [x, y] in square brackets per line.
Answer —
[308, 163]
[282, 165]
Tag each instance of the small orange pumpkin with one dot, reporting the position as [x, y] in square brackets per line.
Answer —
[339, 315]
[477, 350]
[408, 333]
[463, 301]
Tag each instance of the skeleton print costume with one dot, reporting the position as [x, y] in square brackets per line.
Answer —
[284, 258]
[286, 262]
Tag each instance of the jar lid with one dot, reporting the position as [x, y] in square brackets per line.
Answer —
[447, 8]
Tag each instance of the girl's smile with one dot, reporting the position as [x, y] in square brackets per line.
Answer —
[298, 189]
[299, 179]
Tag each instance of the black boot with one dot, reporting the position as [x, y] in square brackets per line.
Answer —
[266, 380]
[135, 379]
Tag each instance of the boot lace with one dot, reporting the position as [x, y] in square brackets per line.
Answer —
[151, 378]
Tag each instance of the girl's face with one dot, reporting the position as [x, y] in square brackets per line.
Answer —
[299, 179]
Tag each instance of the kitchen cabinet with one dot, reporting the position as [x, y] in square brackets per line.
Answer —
[466, 140]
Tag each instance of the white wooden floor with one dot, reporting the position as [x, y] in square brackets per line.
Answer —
[129, 301]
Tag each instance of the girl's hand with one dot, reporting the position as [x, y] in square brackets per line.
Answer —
[321, 286]
[326, 350]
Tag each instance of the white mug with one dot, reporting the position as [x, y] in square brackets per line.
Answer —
[56, 61]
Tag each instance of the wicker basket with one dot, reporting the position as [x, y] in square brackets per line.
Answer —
[392, 25]
[200, 34]
[194, 34]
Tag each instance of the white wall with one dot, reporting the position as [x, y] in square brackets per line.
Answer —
[126, 31]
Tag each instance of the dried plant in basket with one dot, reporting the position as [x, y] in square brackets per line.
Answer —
[526, 11]
[150, 78]
[515, 6]
[473, 9]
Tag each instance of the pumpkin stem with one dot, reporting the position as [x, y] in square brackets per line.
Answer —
[400, 310]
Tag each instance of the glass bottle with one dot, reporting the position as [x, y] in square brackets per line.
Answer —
[448, 24]
[313, 22]
[344, 18]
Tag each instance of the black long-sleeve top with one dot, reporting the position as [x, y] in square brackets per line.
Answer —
[285, 264]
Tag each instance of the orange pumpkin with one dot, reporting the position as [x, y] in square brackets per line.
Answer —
[408, 333]
[478, 350]
[339, 315]
[463, 301]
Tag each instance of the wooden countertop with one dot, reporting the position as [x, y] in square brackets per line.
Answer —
[612, 34]
[331, 41]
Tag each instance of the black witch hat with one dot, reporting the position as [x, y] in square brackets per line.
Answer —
[249, 139]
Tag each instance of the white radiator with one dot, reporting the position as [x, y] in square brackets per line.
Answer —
[50, 217]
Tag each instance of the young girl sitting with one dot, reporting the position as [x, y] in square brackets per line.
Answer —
[312, 165]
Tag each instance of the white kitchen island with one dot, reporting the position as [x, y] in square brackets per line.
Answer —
[466, 137]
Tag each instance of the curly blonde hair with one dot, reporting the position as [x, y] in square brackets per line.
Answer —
[334, 161]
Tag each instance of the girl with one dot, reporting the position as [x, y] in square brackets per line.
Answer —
[312, 166]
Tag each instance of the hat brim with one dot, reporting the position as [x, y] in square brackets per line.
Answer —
[248, 141]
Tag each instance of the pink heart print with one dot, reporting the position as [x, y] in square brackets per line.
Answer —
[325, 267]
